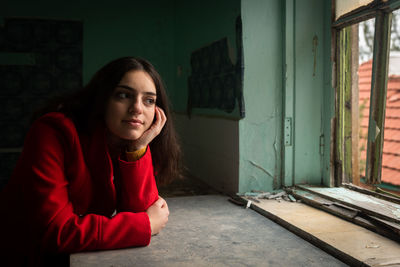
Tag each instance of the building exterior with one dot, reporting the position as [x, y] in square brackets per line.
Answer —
[391, 147]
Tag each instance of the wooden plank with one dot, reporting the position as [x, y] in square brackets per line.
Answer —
[306, 235]
[350, 243]
[326, 205]
[371, 193]
[368, 204]
[391, 226]
[390, 230]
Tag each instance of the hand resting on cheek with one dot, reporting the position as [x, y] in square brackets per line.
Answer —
[150, 133]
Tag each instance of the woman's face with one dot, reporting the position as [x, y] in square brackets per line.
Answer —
[131, 107]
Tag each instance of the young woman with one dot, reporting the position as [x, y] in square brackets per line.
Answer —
[86, 178]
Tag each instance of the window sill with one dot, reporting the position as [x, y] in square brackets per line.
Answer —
[345, 240]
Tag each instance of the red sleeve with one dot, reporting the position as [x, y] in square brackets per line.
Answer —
[50, 211]
[138, 186]
[70, 233]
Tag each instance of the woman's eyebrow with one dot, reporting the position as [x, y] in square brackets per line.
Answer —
[126, 87]
[132, 89]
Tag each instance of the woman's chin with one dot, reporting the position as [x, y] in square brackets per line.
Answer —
[131, 137]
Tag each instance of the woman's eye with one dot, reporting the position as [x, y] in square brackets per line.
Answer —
[150, 101]
[122, 95]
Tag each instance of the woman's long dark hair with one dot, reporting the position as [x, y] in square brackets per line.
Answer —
[87, 108]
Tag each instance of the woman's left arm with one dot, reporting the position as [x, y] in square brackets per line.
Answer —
[137, 185]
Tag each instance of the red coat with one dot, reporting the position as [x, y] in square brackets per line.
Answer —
[61, 196]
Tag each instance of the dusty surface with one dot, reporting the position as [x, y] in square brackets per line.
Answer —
[211, 231]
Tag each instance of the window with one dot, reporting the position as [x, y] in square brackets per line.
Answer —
[368, 93]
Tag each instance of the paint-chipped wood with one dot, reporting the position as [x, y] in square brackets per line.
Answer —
[347, 109]
[339, 127]
[378, 97]
[372, 193]
[385, 228]
[344, 108]
[347, 115]
[355, 116]
[368, 204]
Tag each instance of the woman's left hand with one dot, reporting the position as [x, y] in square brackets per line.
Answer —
[150, 133]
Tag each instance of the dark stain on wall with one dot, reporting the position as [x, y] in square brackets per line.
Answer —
[215, 82]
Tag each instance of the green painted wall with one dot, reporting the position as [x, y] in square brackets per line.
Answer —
[111, 29]
[281, 54]
[260, 131]
[309, 89]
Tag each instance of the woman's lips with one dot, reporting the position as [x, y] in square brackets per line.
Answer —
[134, 122]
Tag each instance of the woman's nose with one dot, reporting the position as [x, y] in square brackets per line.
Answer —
[136, 106]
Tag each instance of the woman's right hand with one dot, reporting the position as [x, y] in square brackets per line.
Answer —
[158, 215]
[151, 133]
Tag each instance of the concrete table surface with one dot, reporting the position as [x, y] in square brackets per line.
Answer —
[210, 231]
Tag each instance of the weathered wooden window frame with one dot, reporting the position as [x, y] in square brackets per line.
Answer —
[381, 10]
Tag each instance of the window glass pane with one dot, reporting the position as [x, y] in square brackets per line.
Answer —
[391, 145]
[362, 72]
[366, 40]
[345, 6]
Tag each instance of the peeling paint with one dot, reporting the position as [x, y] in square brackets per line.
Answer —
[266, 120]
[369, 204]
[396, 213]
[304, 194]
[373, 125]
[254, 177]
[342, 193]
[261, 168]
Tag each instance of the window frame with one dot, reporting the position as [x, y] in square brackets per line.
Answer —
[381, 10]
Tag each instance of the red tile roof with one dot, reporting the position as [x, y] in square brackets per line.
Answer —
[391, 147]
